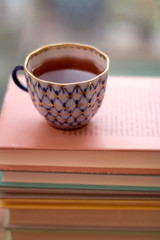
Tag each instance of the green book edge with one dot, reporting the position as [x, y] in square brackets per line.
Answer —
[76, 186]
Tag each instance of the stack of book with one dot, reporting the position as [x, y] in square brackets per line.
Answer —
[101, 181]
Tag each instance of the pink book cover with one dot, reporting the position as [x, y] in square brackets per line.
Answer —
[128, 120]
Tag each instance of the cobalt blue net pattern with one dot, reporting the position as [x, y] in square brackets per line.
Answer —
[67, 106]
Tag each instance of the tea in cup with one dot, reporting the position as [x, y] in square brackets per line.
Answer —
[66, 82]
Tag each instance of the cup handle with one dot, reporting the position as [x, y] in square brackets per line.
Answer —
[15, 78]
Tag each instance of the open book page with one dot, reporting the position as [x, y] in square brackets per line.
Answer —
[129, 118]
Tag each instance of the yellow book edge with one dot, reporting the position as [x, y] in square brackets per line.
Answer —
[81, 204]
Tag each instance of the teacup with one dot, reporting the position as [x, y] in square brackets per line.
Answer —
[67, 105]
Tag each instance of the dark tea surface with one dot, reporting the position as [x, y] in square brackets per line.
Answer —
[66, 70]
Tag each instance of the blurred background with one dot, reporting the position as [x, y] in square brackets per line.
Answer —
[127, 30]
